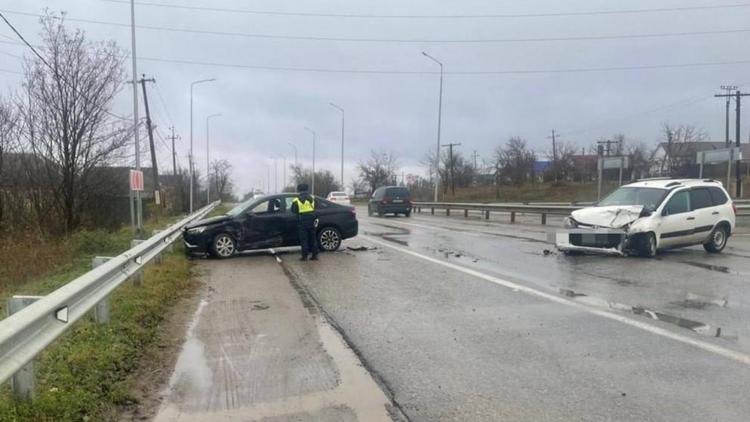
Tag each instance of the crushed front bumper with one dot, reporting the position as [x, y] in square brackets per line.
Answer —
[603, 241]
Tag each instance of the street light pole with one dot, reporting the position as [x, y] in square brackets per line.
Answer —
[190, 158]
[342, 141]
[208, 162]
[440, 116]
[295, 152]
[312, 189]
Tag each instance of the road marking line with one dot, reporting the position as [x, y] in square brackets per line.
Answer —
[712, 348]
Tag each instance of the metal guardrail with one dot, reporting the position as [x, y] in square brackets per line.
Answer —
[743, 208]
[28, 331]
[543, 210]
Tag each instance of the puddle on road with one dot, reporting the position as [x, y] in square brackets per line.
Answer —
[718, 268]
[191, 376]
[695, 326]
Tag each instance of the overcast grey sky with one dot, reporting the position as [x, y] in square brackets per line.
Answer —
[264, 109]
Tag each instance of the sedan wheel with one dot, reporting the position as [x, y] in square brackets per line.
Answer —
[329, 239]
[717, 241]
[223, 246]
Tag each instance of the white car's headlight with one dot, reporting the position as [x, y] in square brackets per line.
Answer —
[197, 230]
[569, 223]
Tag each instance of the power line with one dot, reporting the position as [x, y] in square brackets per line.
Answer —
[43, 60]
[455, 16]
[401, 40]
[163, 104]
[468, 72]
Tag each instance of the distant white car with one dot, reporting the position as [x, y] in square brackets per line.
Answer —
[339, 198]
[652, 215]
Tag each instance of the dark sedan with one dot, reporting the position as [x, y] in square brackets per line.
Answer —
[267, 222]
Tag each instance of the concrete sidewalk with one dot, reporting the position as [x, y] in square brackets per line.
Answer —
[254, 351]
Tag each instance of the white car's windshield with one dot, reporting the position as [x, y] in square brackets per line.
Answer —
[650, 198]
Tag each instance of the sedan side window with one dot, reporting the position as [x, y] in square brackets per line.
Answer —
[266, 207]
[679, 203]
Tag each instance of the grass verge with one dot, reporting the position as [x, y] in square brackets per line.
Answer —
[87, 373]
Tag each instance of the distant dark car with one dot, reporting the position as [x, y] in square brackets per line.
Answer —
[390, 200]
[267, 222]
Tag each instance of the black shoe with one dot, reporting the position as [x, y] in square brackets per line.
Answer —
[304, 258]
[314, 258]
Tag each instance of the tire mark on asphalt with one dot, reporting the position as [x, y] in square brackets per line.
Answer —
[708, 347]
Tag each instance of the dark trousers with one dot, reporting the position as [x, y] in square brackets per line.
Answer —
[308, 241]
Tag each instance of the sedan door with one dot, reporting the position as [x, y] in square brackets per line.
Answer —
[263, 226]
[677, 221]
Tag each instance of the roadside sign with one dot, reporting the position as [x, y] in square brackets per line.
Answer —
[718, 155]
[615, 162]
[136, 180]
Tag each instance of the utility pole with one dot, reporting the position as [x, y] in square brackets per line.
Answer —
[738, 171]
[138, 227]
[453, 179]
[554, 151]
[727, 90]
[149, 126]
[174, 156]
[475, 156]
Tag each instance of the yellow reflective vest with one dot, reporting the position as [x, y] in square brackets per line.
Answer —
[304, 207]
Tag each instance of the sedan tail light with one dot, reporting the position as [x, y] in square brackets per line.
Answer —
[385, 201]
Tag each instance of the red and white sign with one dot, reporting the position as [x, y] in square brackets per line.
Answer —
[136, 180]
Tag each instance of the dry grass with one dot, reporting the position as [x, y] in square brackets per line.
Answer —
[531, 192]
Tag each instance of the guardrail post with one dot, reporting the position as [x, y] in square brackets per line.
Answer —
[137, 277]
[466, 213]
[101, 310]
[544, 218]
[432, 210]
[448, 211]
[512, 216]
[487, 215]
[22, 384]
[170, 246]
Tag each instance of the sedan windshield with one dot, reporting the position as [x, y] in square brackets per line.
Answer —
[650, 198]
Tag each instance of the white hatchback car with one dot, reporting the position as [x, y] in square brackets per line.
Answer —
[339, 198]
[651, 215]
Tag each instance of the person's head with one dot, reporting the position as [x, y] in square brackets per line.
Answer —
[303, 188]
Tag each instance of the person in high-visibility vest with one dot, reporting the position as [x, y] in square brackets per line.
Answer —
[304, 206]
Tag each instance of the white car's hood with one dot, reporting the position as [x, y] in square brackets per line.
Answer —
[614, 216]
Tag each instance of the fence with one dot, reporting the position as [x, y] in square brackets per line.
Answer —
[36, 321]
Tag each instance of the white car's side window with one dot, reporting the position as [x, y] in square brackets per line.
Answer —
[678, 203]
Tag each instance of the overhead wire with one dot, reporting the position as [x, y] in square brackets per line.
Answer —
[447, 16]
[46, 63]
[400, 40]
[458, 72]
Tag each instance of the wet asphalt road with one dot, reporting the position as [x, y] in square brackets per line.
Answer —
[463, 319]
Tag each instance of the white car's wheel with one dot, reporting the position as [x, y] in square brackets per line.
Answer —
[223, 246]
[718, 239]
[647, 247]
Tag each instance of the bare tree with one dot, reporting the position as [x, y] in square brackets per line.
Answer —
[673, 135]
[325, 181]
[514, 162]
[221, 177]
[563, 168]
[8, 143]
[380, 169]
[65, 114]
